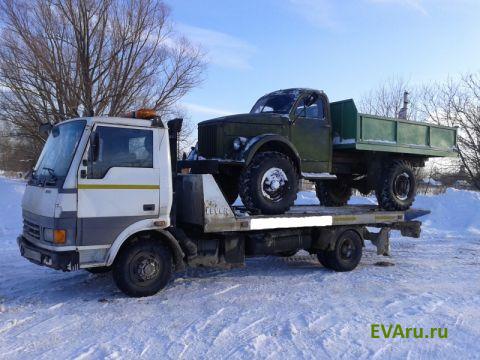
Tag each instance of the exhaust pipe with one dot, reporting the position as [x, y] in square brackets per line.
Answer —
[174, 127]
[402, 113]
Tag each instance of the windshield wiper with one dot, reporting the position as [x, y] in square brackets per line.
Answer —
[53, 177]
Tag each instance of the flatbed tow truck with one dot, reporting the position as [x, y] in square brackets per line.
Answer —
[105, 195]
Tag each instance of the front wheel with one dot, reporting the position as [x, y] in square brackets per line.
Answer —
[143, 268]
[269, 184]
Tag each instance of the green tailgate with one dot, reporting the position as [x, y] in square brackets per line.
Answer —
[353, 130]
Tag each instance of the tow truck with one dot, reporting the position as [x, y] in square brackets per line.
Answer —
[106, 195]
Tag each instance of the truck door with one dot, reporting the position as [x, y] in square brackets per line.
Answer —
[310, 132]
[118, 184]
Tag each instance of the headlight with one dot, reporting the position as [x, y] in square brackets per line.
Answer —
[48, 235]
[238, 143]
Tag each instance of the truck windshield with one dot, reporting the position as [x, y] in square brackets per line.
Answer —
[57, 154]
[279, 103]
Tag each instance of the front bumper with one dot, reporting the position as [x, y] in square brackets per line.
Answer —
[58, 260]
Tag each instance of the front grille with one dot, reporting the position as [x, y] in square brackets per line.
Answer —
[31, 230]
[207, 141]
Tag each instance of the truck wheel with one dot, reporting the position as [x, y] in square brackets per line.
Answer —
[346, 254]
[269, 184]
[333, 192]
[99, 269]
[229, 187]
[143, 268]
[397, 187]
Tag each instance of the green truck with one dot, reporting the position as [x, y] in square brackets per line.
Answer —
[297, 133]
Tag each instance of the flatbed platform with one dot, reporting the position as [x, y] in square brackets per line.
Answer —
[203, 204]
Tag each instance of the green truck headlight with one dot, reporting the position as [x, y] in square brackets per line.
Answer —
[238, 143]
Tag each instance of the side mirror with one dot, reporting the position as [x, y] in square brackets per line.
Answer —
[45, 129]
[175, 125]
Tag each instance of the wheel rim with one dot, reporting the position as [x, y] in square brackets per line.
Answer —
[401, 186]
[274, 184]
[144, 268]
[347, 249]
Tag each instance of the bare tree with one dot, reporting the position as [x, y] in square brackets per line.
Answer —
[68, 58]
[457, 103]
[387, 99]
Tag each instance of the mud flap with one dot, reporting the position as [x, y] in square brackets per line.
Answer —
[381, 240]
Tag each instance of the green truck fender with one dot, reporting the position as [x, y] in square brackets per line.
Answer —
[270, 142]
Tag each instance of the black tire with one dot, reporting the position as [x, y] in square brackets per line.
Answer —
[99, 270]
[346, 254]
[143, 268]
[261, 194]
[397, 186]
[333, 192]
[229, 187]
[287, 253]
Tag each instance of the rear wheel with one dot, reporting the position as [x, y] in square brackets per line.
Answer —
[333, 192]
[269, 184]
[346, 254]
[397, 187]
[143, 268]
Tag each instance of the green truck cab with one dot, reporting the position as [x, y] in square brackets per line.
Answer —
[297, 133]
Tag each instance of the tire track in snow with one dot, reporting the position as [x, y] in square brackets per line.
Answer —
[227, 290]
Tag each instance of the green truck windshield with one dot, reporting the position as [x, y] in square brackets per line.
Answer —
[279, 103]
[57, 154]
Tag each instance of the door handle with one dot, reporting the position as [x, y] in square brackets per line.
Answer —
[148, 207]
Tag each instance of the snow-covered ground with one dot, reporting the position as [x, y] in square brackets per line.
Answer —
[276, 308]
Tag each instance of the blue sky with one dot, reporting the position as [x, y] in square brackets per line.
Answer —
[343, 47]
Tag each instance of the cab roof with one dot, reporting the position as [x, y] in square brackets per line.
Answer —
[293, 90]
[115, 121]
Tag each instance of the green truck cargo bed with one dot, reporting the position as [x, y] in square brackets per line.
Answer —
[354, 130]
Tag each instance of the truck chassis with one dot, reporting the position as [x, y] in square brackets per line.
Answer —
[207, 231]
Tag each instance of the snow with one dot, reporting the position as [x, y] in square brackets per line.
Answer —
[431, 181]
[274, 307]
[380, 141]
[337, 140]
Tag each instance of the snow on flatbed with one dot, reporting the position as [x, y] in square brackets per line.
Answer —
[274, 307]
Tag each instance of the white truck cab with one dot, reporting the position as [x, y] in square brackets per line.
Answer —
[105, 195]
[97, 181]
